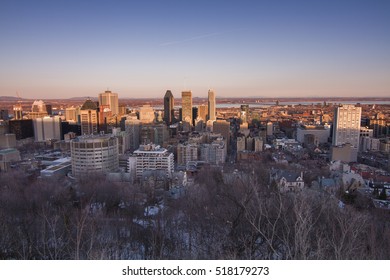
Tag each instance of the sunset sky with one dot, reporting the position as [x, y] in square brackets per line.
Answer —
[264, 48]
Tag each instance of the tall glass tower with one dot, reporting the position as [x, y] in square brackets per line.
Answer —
[211, 103]
[169, 112]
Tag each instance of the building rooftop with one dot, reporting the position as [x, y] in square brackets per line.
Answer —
[89, 105]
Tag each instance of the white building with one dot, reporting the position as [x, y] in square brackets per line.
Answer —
[346, 125]
[47, 128]
[152, 157]
[94, 154]
[214, 153]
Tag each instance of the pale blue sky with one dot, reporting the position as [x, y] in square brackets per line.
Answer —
[51, 49]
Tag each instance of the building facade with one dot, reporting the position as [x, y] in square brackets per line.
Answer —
[346, 125]
[110, 100]
[186, 105]
[169, 111]
[211, 106]
[94, 154]
[346, 130]
[47, 128]
[89, 118]
[153, 157]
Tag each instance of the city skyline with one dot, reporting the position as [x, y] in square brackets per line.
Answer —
[247, 48]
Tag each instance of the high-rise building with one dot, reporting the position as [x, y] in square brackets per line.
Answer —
[47, 128]
[94, 154]
[346, 125]
[133, 129]
[223, 127]
[186, 104]
[211, 106]
[110, 100]
[21, 128]
[203, 112]
[169, 111]
[346, 132]
[146, 114]
[72, 114]
[89, 117]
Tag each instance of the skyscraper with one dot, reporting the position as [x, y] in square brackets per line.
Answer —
[203, 112]
[186, 104]
[169, 112]
[211, 103]
[89, 117]
[110, 100]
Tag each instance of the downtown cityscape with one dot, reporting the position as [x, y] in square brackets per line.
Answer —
[174, 130]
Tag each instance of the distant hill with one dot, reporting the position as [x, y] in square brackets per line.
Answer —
[9, 98]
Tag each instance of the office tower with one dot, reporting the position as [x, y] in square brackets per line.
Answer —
[18, 111]
[203, 112]
[154, 133]
[47, 128]
[346, 125]
[105, 117]
[346, 132]
[89, 117]
[146, 114]
[72, 114]
[21, 128]
[186, 104]
[194, 114]
[152, 157]
[222, 127]
[169, 112]
[133, 129]
[378, 124]
[94, 154]
[211, 106]
[109, 100]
